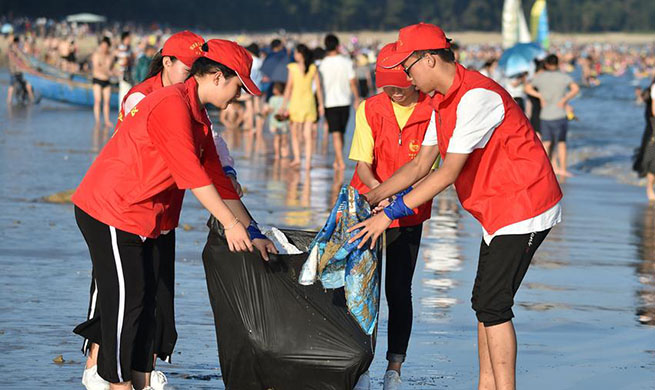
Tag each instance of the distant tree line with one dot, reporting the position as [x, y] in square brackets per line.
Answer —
[315, 15]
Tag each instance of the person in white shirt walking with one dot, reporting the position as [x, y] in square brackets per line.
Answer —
[340, 86]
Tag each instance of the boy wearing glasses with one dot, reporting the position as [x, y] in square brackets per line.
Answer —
[501, 174]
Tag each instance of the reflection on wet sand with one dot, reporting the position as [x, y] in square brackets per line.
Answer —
[99, 137]
[644, 230]
[253, 141]
[302, 197]
[556, 254]
[441, 255]
[298, 198]
[545, 287]
[337, 183]
[537, 306]
[545, 306]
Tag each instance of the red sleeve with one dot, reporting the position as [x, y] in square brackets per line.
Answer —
[170, 130]
[212, 164]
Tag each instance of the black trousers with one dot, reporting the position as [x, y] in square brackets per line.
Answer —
[124, 319]
[163, 257]
[164, 263]
[402, 251]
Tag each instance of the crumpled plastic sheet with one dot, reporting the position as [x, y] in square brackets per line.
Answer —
[280, 240]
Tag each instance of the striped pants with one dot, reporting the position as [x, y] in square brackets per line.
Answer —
[123, 322]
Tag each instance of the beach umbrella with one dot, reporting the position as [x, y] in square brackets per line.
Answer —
[520, 58]
[85, 18]
[7, 29]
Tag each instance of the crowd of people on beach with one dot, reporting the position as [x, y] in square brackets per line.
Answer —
[424, 120]
[295, 102]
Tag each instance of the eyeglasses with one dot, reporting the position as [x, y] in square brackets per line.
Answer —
[407, 69]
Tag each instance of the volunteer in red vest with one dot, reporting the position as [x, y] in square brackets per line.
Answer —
[164, 145]
[389, 130]
[501, 174]
[169, 66]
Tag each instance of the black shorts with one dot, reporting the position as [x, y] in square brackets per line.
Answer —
[69, 58]
[337, 118]
[555, 130]
[501, 268]
[17, 80]
[101, 83]
[363, 88]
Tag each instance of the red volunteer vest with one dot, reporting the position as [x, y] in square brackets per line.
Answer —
[394, 147]
[510, 179]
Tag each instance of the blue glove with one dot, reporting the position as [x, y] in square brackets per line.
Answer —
[229, 171]
[254, 232]
[398, 209]
[405, 191]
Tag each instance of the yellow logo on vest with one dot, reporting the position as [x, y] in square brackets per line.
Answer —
[134, 111]
[414, 147]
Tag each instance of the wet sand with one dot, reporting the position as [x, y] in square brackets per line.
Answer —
[585, 315]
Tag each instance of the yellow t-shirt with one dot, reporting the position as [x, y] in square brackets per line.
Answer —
[362, 146]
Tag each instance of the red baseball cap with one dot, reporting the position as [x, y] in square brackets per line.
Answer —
[234, 57]
[390, 77]
[185, 46]
[422, 36]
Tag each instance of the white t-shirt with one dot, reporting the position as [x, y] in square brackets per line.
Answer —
[517, 91]
[131, 101]
[256, 71]
[479, 113]
[336, 73]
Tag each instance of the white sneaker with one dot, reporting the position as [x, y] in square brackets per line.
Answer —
[92, 381]
[392, 381]
[364, 382]
[158, 380]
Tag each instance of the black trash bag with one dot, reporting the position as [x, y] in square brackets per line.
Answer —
[272, 332]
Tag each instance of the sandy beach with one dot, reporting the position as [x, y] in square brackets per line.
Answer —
[585, 316]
